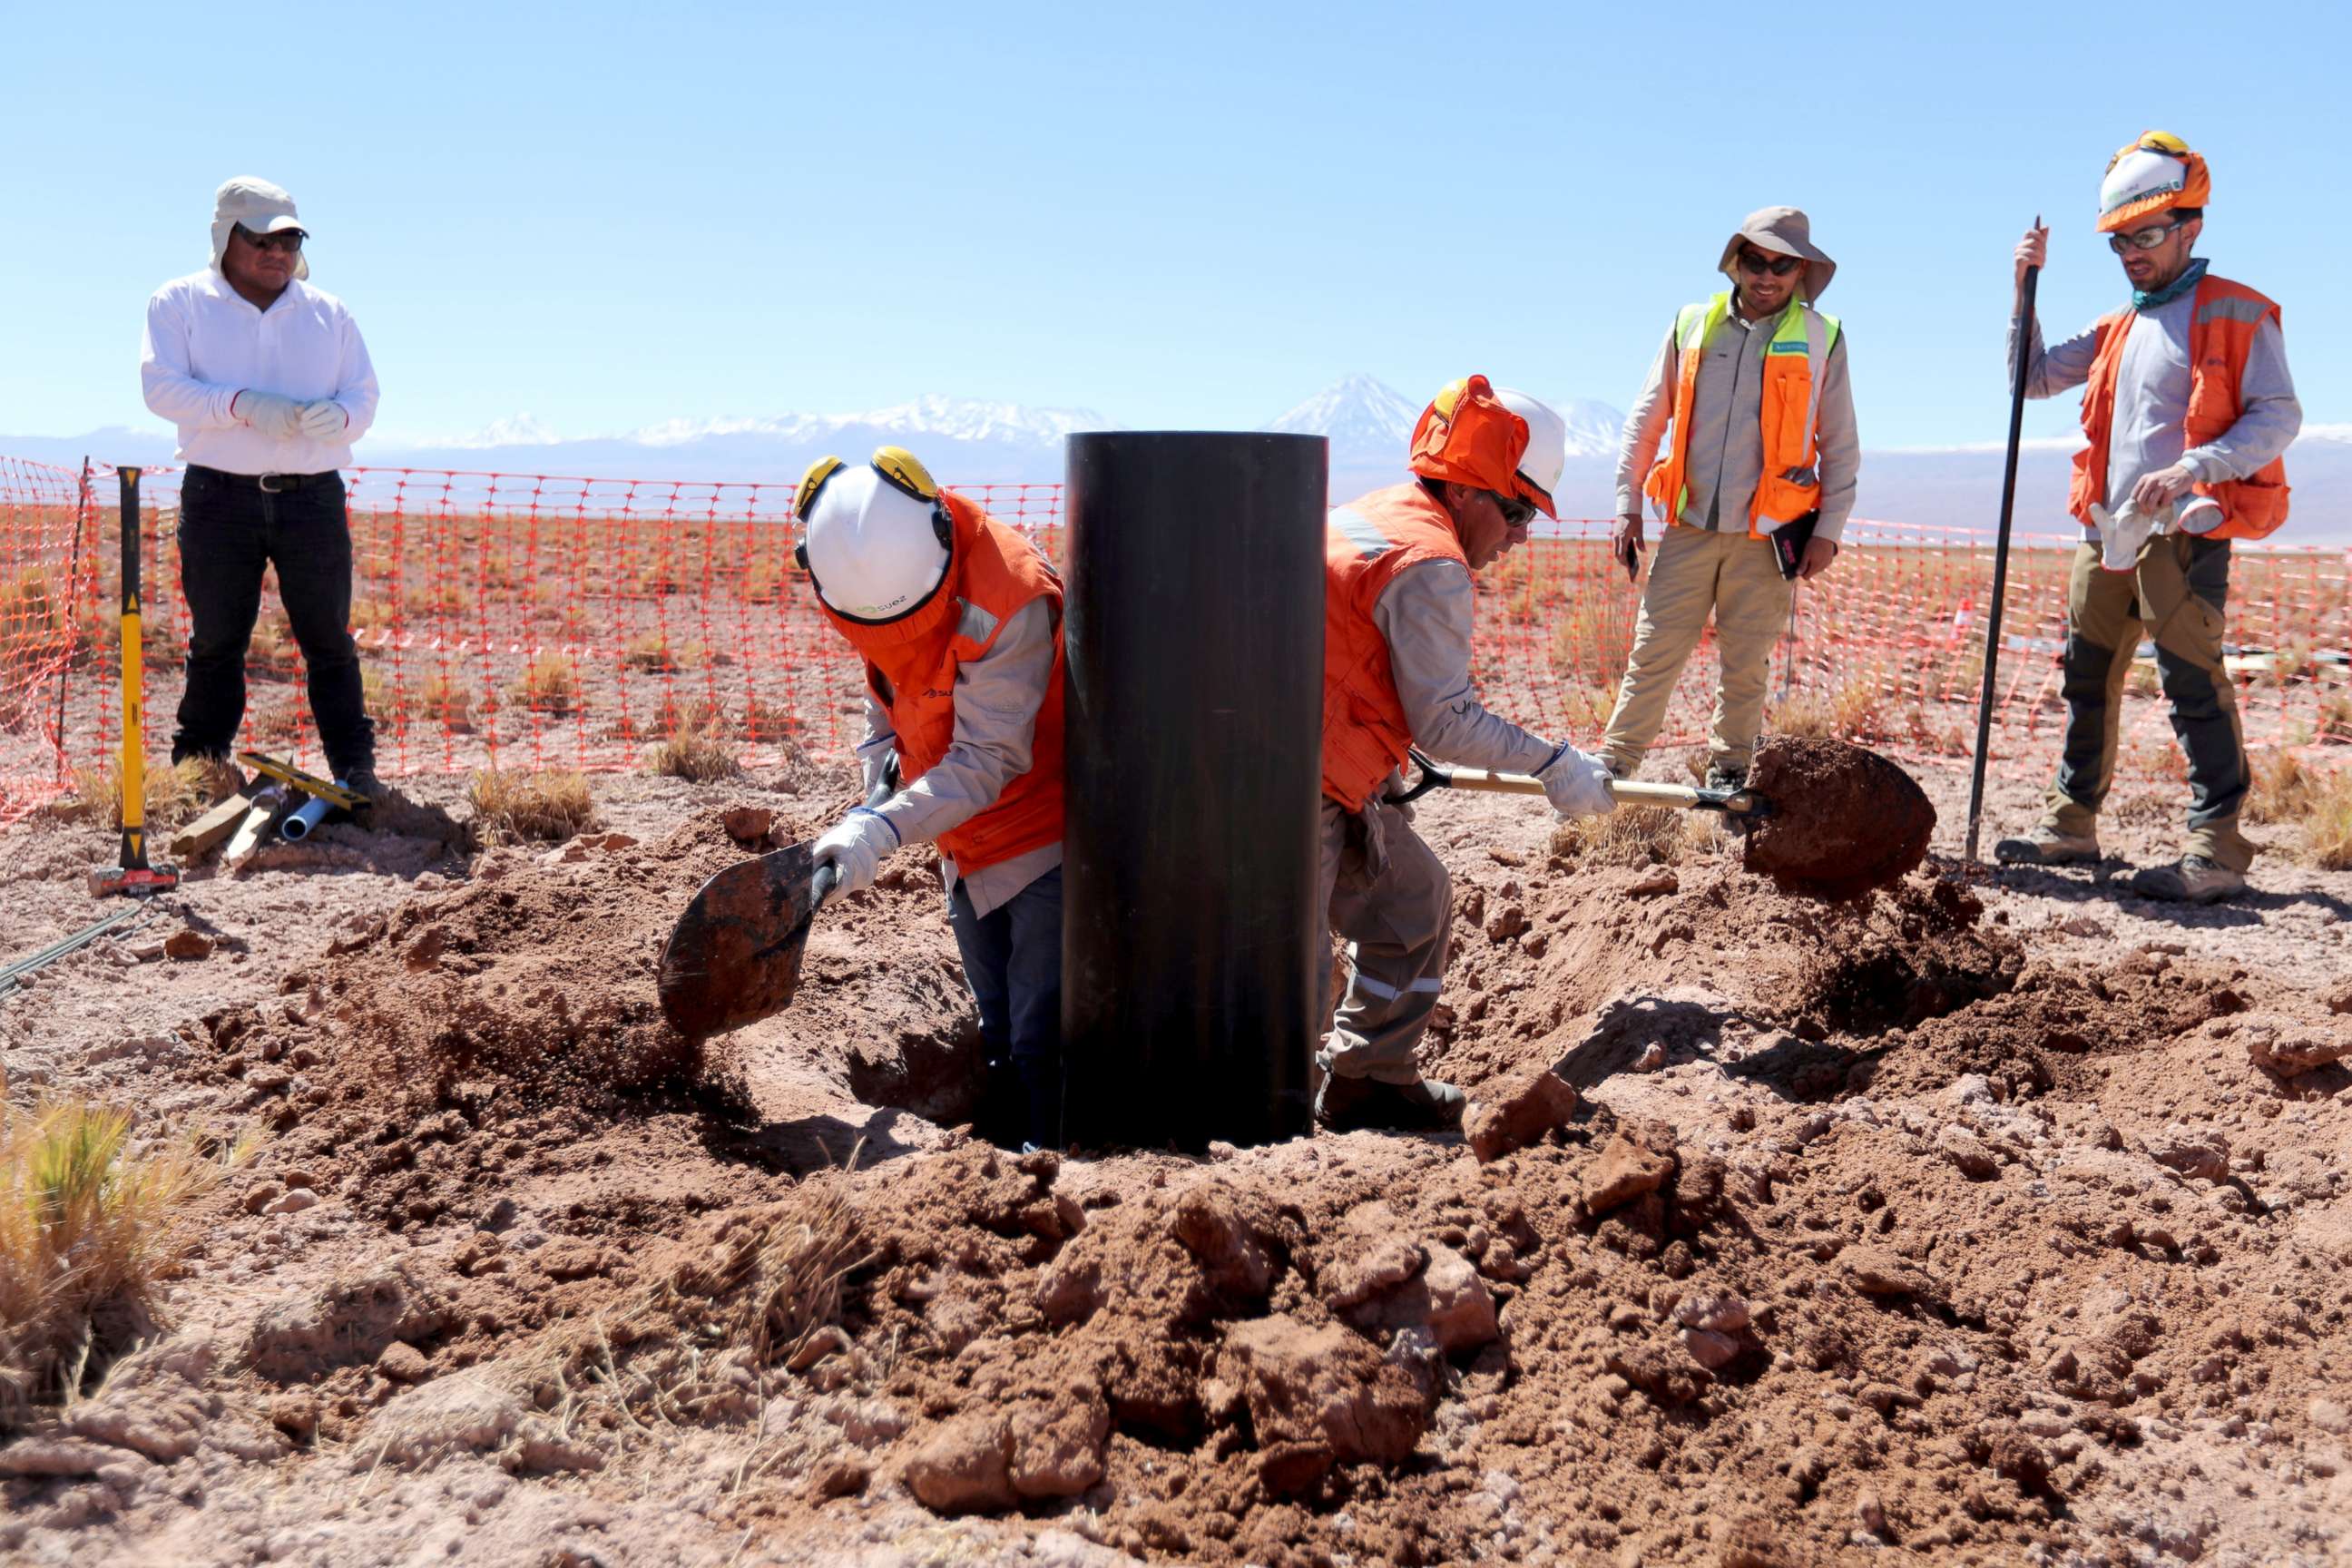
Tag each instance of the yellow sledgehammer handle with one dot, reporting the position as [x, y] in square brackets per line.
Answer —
[134, 722]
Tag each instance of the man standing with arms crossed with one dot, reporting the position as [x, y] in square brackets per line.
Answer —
[1397, 616]
[1753, 384]
[2187, 409]
[269, 385]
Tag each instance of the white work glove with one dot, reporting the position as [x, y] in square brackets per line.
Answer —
[876, 759]
[2123, 533]
[324, 420]
[857, 845]
[1577, 784]
[270, 414]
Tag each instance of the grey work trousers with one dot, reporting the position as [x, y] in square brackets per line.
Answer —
[1388, 894]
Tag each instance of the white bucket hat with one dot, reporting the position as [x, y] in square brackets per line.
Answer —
[262, 208]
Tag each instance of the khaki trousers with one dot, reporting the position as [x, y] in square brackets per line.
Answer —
[2175, 596]
[1387, 892]
[1695, 573]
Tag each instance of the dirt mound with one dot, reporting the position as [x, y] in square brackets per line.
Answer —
[1844, 820]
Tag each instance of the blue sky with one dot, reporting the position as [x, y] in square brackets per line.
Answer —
[610, 214]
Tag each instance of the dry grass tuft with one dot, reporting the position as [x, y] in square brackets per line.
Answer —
[446, 699]
[656, 654]
[88, 1227]
[765, 1293]
[695, 754]
[1638, 837]
[2285, 791]
[1851, 712]
[173, 793]
[549, 683]
[513, 805]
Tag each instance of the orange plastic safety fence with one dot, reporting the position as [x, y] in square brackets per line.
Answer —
[46, 532]
[541, 621]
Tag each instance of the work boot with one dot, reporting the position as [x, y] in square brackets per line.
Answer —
[363, 781]
[2194, 880]
[1724, 778]
[1354, 1104]
[2046, 844]
[1002, 1115]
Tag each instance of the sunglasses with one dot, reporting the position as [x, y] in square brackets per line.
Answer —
[1778, 266]
[1517, 512]
[2141, 238]
[289, 240]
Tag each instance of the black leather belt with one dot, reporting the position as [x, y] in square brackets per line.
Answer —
[268, 484]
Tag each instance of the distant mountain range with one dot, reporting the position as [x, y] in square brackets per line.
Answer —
[1369, 423]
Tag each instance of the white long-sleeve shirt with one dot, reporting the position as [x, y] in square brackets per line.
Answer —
[997, 698]
[205, 343]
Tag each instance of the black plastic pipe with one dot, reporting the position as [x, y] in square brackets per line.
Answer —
[1195, 693]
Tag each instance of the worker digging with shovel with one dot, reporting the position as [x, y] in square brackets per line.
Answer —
[1398, 611]
[959, 620]
[2187, 409]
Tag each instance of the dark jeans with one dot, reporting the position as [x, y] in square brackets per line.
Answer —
[230, 531]
[1012, 962]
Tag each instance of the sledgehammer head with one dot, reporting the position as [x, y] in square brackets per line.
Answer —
[132, 881]
[1844, 820]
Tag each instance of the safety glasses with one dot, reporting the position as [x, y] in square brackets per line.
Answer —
[2141, 238]
[1517, 512]
[1778, 266]
[289, 240]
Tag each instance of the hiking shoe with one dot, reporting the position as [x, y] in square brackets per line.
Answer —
[1726, 778]
[2194, 880]
[1354, 1104]
[2048, 846]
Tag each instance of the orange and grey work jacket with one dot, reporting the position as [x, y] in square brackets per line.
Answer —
[1756, 420]
[2201, 379]
[1397, 613]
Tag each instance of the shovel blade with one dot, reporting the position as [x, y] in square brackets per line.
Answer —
[734, 957]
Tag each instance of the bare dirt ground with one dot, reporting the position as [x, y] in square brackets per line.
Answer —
[1995, 1223]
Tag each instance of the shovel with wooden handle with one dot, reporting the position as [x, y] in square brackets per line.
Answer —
[1745, 804]
[734, 957]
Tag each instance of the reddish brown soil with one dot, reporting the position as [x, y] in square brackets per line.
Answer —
[1844, 820]
[1813, 1231]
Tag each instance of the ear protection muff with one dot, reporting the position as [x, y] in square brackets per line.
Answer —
[900, 468]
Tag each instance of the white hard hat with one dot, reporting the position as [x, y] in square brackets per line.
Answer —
[1547, 451]
[876, 540]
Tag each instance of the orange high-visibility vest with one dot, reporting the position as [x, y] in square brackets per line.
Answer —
[910, 668]
[1365, 545]
[2222, 326]
[1793, 360]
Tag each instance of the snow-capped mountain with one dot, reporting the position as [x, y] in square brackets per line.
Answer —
[1363, 417]
[1370, 421]
[944, 418]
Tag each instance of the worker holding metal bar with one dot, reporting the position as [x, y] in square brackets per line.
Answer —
[959, 620]
[1750, 400]
[269, 383]
[2190, 408]
[1398, 610]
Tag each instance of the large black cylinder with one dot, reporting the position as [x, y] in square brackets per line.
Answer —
[1194, 695]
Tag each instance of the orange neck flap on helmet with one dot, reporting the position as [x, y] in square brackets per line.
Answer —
[1469, 436]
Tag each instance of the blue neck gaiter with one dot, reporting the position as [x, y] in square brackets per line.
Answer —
[2146, 300]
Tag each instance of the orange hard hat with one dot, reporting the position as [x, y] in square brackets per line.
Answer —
[1471, 436]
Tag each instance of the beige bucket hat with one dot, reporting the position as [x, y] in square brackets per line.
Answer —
[262, 208]
[1783, 231]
